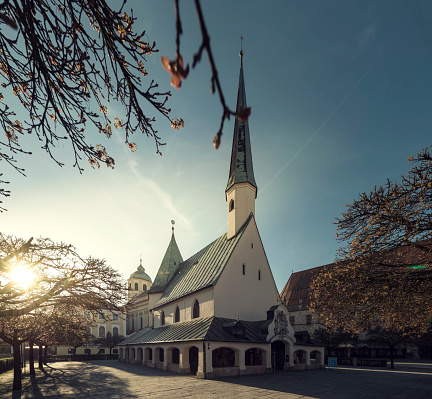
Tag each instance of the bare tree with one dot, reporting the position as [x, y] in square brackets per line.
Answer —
[58, 275]
[64, 61]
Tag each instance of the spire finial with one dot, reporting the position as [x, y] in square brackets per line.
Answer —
[241, 48]
[140, 259]
[173, 223]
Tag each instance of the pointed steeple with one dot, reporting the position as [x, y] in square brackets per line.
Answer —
[168, 267]
[241, 168]
[241, 190]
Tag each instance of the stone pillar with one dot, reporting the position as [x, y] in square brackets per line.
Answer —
[269, 368]
[242, 364]
[184, 367]
[291, 357]
[153, 358]
[165, 362]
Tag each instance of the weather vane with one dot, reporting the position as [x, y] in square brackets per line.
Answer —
[173, 223]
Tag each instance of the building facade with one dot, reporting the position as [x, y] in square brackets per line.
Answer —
[219, 312]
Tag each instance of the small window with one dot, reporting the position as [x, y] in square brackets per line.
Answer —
[162, 318]
[308, 319]
[130, 286]
[136, 286]
[292, 320]
[115, 351]
[133, 324]
[252, 245]
[144, 287]
[101, 332]
[231, 205]
[101, 316]
[259, 274]
[244, 269]
[177, 315]
[141, 323]
[115, 332]
[115, 317]
[196, 310]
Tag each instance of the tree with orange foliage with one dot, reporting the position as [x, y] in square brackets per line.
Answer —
[383, 276]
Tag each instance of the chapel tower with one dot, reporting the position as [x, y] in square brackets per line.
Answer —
[241, 190]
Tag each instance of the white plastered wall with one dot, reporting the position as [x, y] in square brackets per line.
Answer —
[243, 195]
[185, 304]
[245, 296]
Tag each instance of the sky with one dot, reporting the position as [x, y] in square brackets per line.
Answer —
[340, 93]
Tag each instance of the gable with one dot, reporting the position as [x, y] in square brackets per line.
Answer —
[246, 288]
[201, 270]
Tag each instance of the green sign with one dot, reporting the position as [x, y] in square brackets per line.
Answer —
[418, 267]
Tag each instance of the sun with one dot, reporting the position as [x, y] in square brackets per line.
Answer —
[23, 276]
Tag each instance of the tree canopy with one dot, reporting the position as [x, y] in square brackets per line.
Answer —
[39, 273]
[64, 61]
[383, 275]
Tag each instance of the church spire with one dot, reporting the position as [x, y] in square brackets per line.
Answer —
[241, 168]
[169, 265]
[241, 189]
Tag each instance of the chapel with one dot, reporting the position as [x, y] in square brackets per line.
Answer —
[218, 312]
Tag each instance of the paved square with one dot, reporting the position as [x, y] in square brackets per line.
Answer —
[111, 379]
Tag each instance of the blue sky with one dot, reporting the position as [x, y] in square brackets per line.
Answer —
[340, 94]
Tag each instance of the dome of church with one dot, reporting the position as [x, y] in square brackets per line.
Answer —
[140, 273]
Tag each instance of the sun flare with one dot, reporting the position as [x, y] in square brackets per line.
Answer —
[23, 276]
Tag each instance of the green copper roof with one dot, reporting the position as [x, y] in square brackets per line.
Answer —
[241, 169]
[168, 267]
[201, 270]
[140, 273]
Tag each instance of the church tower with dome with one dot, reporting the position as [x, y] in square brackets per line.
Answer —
[138, 282]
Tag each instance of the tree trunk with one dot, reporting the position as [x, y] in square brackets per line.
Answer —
[31, 359]
[45, 355]
[40, 356]
[392, 356]
[17, 365]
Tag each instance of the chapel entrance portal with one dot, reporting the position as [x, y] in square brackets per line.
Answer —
[193, 360]
[278, 355]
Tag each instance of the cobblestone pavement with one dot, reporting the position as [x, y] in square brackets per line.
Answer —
[111, 379]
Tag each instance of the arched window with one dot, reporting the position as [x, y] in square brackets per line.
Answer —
[231, 205]
[177, 315]
[144, 288]
[130, 286]
[141, 323]
[133, 324]
[176, 356]
[101, 332]
[115, 332]
[253, 357]
[162, 318]
[136, 286]
[223, 357]
[195, 310]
